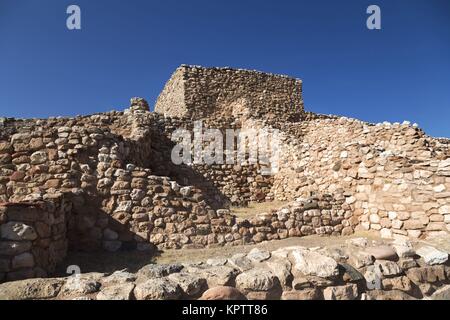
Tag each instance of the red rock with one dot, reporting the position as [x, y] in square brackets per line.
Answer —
[222, 293]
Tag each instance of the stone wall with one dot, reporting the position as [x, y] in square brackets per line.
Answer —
[32, 237]
[395, 178]
[339, 175]
[195, 92]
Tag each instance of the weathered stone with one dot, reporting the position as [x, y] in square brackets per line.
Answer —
[241, 262]
[191, 284]
[122, 291]
[258, 255]
[157, 271]
[442, 293]
[346, 292]
[305, 294]
[222, 293]
[256, 280]
[432, 256]
[157, 289]
[31, 289]
[389, 295]
[315, 264]
[388, 268]
[429, 274]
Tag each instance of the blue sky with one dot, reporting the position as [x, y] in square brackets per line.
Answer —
[130, 48]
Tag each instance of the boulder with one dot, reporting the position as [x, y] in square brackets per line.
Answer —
[442, 293]
[429, 274]
[215, 275]
[123, 291]
[78, 285]
[388, 268]
[257, 279]
[345, 292]
[432, 256]
[157, 271]
[222, 293]
[31, 289]
[305, 294]
[191, 284]
[157, 289]
[258, 255]
[315, 264]
[240, 262]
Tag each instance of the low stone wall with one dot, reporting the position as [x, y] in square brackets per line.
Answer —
[32, 237]
[358, 269]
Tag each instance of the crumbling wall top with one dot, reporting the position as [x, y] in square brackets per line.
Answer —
[197, 92]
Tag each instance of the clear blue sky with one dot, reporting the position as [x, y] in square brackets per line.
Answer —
[130, 48]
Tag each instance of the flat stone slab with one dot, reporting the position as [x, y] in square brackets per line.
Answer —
[432, 256]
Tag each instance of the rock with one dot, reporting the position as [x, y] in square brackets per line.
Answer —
[217, 261]
[157, 271]
[157, 289]
[123, 291]
[305, 294]
[388, 268]
[215, 276]
[400, 283]
[222, 293]
[79, 285]
[428, 274]
[382, 253]
[346, 292]
[389, 295]
[405, 264]
[118, 277]
[17, 231]
[442, 293]
[432, 256]
[38, 157]
[191, 284]
[31, 289]
[315, 264]
[282, 270]
[403, 248]
[258, 255]
[373, 278]
[241, 262]
[360, 259]
[256, 280]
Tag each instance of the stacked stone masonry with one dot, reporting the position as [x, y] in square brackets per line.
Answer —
[123, 192]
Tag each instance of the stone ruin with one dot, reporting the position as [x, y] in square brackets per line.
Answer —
[106, 181]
